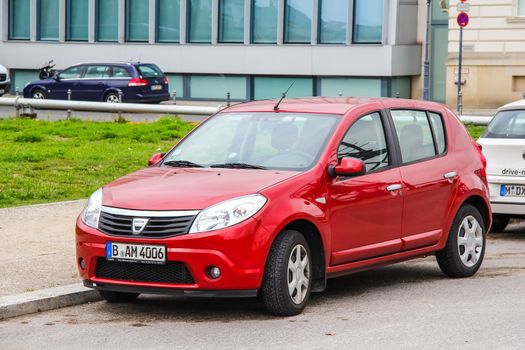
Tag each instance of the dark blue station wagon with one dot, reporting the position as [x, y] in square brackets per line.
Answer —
[138, 82]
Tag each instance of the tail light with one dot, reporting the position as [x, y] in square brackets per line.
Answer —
[482, 173]
[138, 82]
[166, 80]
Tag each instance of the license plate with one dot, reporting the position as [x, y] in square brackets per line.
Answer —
[2, 91]
[512, 191]
[143, 253]
[156, 87]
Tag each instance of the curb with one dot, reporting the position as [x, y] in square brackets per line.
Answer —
[46, 299]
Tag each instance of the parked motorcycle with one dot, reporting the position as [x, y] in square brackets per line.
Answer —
[47, 70]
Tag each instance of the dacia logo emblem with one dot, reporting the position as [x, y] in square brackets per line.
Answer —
[138, 225]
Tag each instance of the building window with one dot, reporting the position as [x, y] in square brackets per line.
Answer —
[231, 21]
[48, 11]
[368, 21]
[20, 78]
[358, 87]
[400, 87]
[333, 21]
[521, 7]
[137, 20]
[77, 20]
[19, 19]
[298, 21]
[176, 82]
[217, 86]
[200, 21]
[273, 87]
[264, 21]
[107, 20]
[168, 21]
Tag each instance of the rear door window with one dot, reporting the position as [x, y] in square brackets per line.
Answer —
[149, 71]
[97, 72]
[507, 124]
[120, 72]
[415, 135]
[71, 73]
[365, 140]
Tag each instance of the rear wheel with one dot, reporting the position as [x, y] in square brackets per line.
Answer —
[118, 297]
[39, 94]
[112, 97]
[287, 277]
[499, 222]
[465, 247]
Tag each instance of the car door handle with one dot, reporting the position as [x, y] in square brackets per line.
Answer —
[450, 175]
[394, 187]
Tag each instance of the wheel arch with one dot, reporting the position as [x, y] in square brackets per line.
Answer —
[111, 90]
[481, 205]
[313, 236]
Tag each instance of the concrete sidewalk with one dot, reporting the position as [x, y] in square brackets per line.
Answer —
[37, 248]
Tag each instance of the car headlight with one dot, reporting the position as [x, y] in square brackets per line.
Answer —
[91, 212]
[228, 213]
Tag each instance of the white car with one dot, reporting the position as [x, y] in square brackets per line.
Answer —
[5, 82]
[503, 144]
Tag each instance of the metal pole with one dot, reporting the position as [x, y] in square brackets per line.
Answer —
[69, 99]
[460, 66]
[174, 97]
[228, 99]
[426, 64]
[119, 114]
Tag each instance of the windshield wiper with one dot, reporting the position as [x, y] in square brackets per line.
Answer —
[182, 164]
[237, 166]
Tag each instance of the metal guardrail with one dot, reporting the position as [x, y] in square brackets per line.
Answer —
[30, 104]
[26, 104]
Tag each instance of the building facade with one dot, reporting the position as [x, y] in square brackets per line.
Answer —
[251, 49]
[493, 54]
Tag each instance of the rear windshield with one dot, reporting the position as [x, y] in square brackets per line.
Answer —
[149, 71]
[507, 124]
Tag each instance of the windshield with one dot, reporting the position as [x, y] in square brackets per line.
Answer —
[507, 124]
[287, 141]
[149, 71]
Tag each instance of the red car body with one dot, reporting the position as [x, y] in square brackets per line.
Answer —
[350, 224]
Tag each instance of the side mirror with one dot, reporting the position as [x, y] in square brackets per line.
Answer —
[155, 158]
[348, 167]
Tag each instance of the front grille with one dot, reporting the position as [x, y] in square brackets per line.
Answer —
[172, 272]
[3, 77]
[157, 227]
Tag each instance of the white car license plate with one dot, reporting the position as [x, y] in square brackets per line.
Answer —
[156, 87]
[2, 91]
[512, 191]
[144, 253]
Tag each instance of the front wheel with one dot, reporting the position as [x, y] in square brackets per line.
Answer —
[118, 297]
[287, 280]
[39, 94]
[465, 247]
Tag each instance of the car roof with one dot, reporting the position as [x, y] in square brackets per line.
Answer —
[329, 105]
[112, 63]
[520, 104]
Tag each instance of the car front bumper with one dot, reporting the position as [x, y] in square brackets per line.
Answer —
[239, 251]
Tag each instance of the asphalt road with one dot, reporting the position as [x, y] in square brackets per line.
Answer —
[404, 306]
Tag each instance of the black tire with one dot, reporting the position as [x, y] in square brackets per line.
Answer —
[274, 289]
[118, 297]
[39, 94]
[111, 97]
[449, 259]
[499, 222]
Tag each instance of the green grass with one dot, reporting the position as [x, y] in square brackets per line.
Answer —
[54, 161]
[475, 131]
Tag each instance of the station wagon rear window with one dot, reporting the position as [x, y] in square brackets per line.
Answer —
[149, 71]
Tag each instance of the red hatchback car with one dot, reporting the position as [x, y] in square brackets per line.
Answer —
[272, 200]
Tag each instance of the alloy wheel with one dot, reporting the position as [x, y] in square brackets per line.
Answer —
[112, 98]
[39, 95]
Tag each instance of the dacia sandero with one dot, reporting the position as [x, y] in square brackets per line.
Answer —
[272, 198]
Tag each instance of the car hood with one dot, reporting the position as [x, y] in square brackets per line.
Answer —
[167, 188]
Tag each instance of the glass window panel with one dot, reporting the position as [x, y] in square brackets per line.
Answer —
[264, 21]
[119, 72]
[231, 21]
[21, 78]
[333, 21]
[168, 21]
[19, 19]
[97, 72]
[439, 131]
[521, 7]
[77, 20]
[273, 87]
[298, 21]
[200, 21]
[437, 13]
[414, 135]
[71, 73]
[176, 82]
[365, 140]
[107, 20]
[358, 87]
[216, 87]
[400, 86]
[48, 11]
[438, 67]
[137, 20]
[368, 21]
